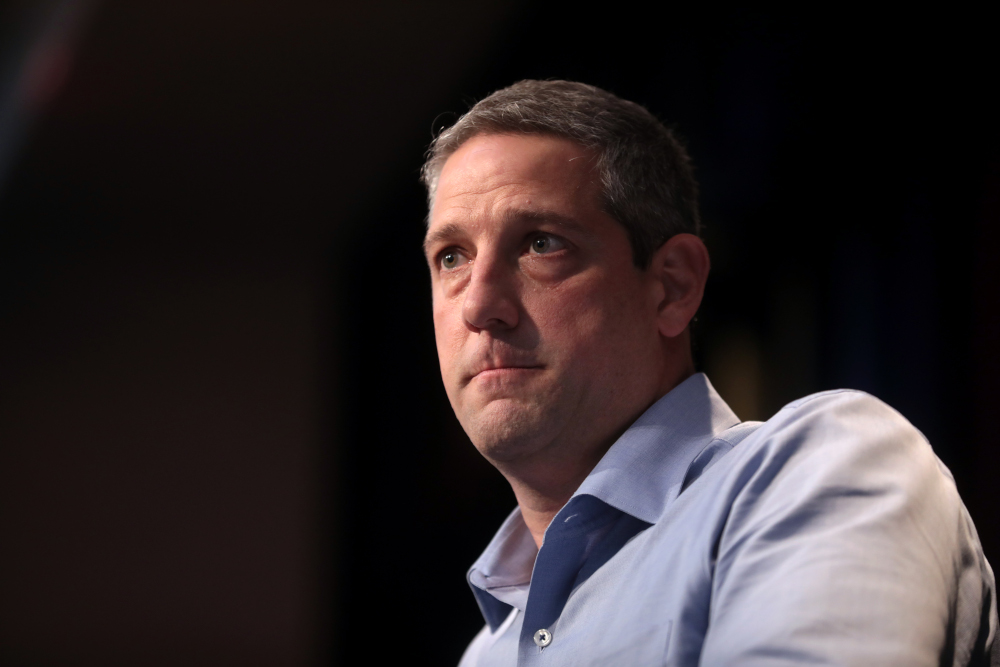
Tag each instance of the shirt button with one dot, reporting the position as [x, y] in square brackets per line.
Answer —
[543, 638]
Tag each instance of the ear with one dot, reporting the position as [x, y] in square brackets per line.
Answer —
[680, 267]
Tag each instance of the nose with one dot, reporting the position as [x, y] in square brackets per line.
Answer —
[491, 298]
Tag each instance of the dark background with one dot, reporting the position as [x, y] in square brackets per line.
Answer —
[223, 438]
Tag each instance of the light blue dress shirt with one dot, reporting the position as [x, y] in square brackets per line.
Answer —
[829, 535]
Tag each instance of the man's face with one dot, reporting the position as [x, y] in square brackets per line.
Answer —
[546, 332]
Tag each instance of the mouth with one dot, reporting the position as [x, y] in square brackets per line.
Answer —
[504, 373]
[502, 370]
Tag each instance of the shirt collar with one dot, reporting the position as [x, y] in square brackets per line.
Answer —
[643, 471]
[640, 475]
[501, 576]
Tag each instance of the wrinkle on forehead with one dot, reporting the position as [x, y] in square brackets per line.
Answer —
[529, 166]
[491, 156]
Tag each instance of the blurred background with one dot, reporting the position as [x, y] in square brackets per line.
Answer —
[223, 437]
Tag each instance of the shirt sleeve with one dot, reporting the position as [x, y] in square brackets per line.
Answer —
[847, 544]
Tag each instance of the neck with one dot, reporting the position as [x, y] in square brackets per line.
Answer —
[546, 482]
[548, 487]
[538, 512]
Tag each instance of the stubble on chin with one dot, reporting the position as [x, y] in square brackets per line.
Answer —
[507, 430]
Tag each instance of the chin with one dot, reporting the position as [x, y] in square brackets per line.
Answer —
[506, 431]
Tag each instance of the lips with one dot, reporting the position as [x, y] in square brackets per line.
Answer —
[502, 369]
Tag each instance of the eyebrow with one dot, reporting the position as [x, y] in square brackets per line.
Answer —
[450, 230]
[509, 216]
[540, 215]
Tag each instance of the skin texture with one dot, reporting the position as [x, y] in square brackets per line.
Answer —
[551, 341]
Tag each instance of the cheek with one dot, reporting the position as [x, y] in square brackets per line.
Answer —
[594, 320]
[447, 335]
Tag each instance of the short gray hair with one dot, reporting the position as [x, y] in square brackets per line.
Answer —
[646, 174]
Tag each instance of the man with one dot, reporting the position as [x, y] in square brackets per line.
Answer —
[653, 527]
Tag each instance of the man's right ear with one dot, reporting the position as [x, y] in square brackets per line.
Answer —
[681, 266]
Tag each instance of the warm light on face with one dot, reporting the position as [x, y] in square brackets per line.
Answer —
[545, 330]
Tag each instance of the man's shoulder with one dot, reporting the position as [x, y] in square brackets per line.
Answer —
[833, 443]
[838, 513]
[841, 420]
[846, 437]
[859, 400]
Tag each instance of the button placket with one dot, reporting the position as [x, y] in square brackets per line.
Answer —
[556, 568]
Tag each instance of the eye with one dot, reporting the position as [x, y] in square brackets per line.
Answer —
[452, 259]
[545, 243]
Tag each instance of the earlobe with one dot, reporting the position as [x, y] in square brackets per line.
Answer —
[681, 267]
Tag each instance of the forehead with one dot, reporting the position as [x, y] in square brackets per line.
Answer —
[491, 173]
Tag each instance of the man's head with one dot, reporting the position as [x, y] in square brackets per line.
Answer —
[555, 326]
[646, 178]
